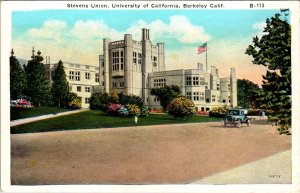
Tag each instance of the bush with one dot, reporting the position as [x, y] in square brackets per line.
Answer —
[218, 112]
[102, 100]
[21, 104]
[181, 107]
[113, 108]
[74, 102]
[131, 99]
[133, 109]
[144, 111]
[123, 111]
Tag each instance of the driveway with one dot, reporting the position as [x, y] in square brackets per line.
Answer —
[164, 154]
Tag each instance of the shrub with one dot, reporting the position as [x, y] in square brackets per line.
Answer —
[218, 112]
[123, 111]
[144, 111]
[101, 101]
[113, 108]
[21, 104]
[181, 107]
[133, 109]
[74, 102]
[131, 99]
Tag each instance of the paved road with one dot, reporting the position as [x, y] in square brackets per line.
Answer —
[166, 154]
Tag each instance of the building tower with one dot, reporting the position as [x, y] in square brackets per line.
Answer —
[106, 64]
[146, 62]
[128, 65]
[233, 88]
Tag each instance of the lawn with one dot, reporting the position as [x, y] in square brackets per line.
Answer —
[36, 111]
[98, 119]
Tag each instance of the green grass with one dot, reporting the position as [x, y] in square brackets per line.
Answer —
[36, 111]
[98, 119]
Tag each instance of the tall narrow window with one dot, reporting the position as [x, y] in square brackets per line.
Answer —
[87, 76]
[97, 78]
[71, 75]
[77, 75]
[188, 80]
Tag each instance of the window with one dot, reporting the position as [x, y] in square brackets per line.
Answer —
[188, 80]
[87, 67]
[195, 81]
[102, 83]
[159, 82]
[196, 96]
[115, 61]
[201, 96]
[122, 84]
[87, 75]
[77, 76]
[114, 84]
[218, 86]
[154, 61]
[87, 89]
[78, 88]
[71, 75]
[139, 58]
[97, 79]
[103, 73]
[224, 101]
[134, 59]
[156, 99]
[207, 100]
[102, 64]
[87, 100]
[202, 81]
[213, 98]
[189, 95]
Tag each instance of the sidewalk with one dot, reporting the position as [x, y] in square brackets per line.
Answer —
[48, 116]
[274, 169]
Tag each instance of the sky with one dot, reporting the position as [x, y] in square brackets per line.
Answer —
[76, 35]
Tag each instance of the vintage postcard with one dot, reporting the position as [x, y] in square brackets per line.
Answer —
[150, 96]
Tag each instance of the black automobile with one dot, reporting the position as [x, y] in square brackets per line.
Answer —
[236, 117]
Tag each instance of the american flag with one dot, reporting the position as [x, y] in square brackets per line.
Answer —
[202, 48]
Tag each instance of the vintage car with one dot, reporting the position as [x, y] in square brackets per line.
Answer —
[236, 117]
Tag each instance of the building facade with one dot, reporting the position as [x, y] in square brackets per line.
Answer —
[82, 79]
[135, 67]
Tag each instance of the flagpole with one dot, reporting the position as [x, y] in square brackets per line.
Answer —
[206, 57]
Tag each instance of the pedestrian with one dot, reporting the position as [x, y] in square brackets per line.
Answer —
[263, 114]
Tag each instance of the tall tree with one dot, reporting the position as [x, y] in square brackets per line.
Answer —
[60, 88]
[166, 94]
[246, 93]
[273, 50]
[17, 78]
[38, 86]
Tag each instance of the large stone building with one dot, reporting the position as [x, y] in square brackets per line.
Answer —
[83, 79]
[134, 67]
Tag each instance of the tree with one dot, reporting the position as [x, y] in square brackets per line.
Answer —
[17, 78]
[37, 84]
[60, 88]
[246, 93]
[166, 94]
[273, 50]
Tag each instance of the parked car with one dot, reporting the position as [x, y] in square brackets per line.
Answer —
[236, 117]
